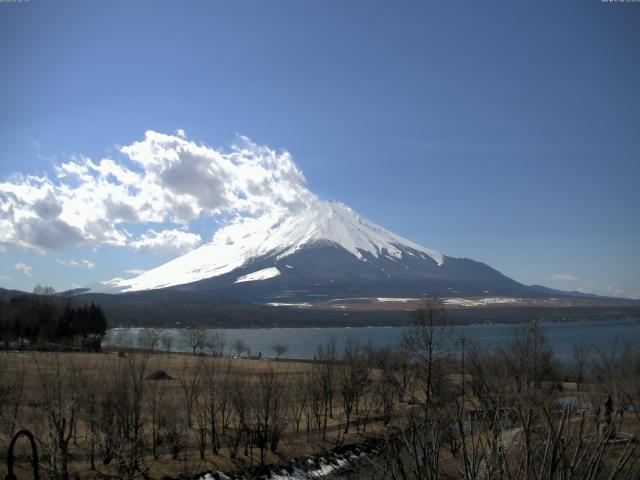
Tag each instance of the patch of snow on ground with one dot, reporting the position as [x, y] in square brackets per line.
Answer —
[348, 299]
[222, 476]
[263, 274]
[297, 474]
[384, 299]
[277, 304]
[477, 302]
[324, 470]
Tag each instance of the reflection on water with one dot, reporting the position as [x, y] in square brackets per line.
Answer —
[304, 342]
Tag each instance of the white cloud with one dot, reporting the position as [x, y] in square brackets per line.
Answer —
[88, 264]
[23, 269]
[562, 278]
[167, 242]
[67, 263]
[135, 271]
[589, 290]
[76, 264]
[6, 278]
[610, 291]
[159, 180]
[619, 292]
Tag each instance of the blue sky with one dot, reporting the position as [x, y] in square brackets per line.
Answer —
[507, 132]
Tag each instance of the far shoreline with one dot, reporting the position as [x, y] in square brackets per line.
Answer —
[393, 319]
[542, 321]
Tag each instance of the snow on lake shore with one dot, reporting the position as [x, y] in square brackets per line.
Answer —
[477, 302]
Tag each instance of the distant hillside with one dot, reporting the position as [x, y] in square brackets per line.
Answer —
[174, 308]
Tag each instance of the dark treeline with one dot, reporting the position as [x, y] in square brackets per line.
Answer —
[43, 320]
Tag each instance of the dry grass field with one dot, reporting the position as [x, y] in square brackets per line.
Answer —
[174, 411]
[505, 413]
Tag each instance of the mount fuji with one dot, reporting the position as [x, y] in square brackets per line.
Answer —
[323, 251]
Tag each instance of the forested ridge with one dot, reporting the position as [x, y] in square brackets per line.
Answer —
[43, 320]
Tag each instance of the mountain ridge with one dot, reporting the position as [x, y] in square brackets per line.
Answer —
[319, 251]
[276, 236]
[325, 265]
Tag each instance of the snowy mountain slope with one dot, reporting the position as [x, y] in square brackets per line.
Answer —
[322, 252]
[320, 272]
[263, 274]
[250, 241]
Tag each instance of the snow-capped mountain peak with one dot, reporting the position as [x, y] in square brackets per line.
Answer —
[277, 236]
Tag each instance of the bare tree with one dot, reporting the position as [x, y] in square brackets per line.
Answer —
[581, 352]
[89, 411]
[267, 413]
[57, 401]
[298, 404]
[317, 399]
[122, 415]
[202, 415]
[167, 342]
[414, 451]
[326, 365]
[156, 406]
[212, 396]
[173, 429]
[216, 343]
[240, 430]
[149, 339]
[224, 389]
[194, 339]
[279, 349]
[616, 373]
[240, 347]
[352, 378]
[386, 385]
[189, 379]
[11, 395]
[41, 291]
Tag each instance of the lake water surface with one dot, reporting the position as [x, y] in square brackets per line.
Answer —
[304, 342]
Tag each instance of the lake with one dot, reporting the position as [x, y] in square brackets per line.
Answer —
[303, 343]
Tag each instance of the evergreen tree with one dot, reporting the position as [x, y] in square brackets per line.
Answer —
[42, 317]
